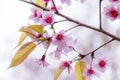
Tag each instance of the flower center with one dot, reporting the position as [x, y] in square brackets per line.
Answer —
[59, 37]
[115, 0]
[114, 13]
[35, 14]
[49, 20]
[90, 71]
[102, 63]
[66, 64]
[53, 8]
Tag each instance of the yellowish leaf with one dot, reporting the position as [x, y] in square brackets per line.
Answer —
[79, 69]
[22, 38]
[37, 28]
[41, 3]
[22, 54]
[28, 31]
[57, 73]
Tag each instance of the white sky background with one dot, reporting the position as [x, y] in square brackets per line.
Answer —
[13, 15]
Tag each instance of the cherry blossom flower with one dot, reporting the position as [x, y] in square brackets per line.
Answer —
[42, 61]
[66, 64]
[63, 42]
[68, 2]
[89, 73]
[101, 64]
[53, 8]
[112, 12]
[59, 38]
[68, 45]
[114, 1]
[47, 18]
[58, 52]
[36, 15]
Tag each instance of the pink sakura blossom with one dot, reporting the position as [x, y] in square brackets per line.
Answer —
[53, 8]
[112, 12]
[114, 1]
[63, 42]
[42, 61]
[68, 45]
[89, 73]
[36, 15]
[101, 64]
[59, 38]
[58, 52]
[66, 64]
[68, 2]
[47, 18]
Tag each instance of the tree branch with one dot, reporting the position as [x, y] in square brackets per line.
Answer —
[77, 22]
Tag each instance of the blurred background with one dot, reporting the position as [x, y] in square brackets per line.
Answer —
[14, 14]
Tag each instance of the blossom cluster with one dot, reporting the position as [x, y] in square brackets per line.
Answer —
[64, 43]
[100, 65]
[45, 18]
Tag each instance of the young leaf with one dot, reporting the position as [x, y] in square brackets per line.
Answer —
[57, 73]
[79, 68]
[28, 31]
[22, 54]
[41, 3]
[37, 28]
[22, 38]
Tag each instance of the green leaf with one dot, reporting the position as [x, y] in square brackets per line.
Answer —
[79, 69]
[22, 54]
[37, 28]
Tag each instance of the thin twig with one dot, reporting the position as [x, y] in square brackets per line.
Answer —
[100, 15]
[60, 21]
[99, 47]
[72, 28]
